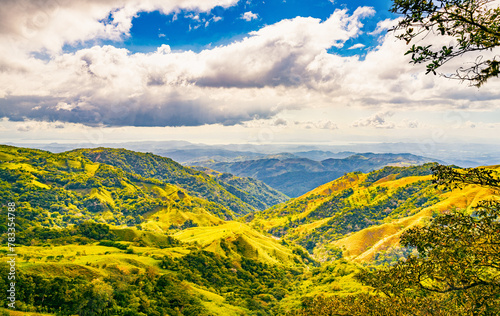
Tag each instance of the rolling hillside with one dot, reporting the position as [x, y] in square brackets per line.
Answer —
[249, 190]
[296, 176]
[137, 245]
[359, 215]
[94, 234]
[164, 169]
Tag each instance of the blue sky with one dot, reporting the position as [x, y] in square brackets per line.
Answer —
[192, 30]
[226, 71]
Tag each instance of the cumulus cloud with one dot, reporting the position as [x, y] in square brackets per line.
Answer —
[323, 124]
[356, 46]
[328, 125]
[378, 120]
[111, 86]
[249, 16]
[285, 65]
[384, 25]
[411, 123]
[48, 25]
[280, 122]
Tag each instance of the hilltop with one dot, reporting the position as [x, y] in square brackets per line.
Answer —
[360, 216]
[198, 183]
[91, 228]
[139, 234]
[296, 176]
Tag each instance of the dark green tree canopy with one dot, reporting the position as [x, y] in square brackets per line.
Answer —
[473, 24]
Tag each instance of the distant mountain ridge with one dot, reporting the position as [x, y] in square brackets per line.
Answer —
[361, 215]
[296, 176]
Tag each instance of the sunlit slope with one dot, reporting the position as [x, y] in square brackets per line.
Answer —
[236, 240]
[367, 211]
[249, 190]
[364, 244]
[57, 190]
[198, 183]
[164, 219]
[93, 262]
[211, 265]
[296, 176]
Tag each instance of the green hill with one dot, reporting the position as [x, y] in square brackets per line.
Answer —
[359, 215]
[57, 190]
[93, 236]
[296, 176]
[254, 192]
[206, 266]
[165, 169]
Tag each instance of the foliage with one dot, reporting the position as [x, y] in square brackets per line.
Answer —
[297, 176]
[164, 169]
[474, 26]
[456, 271]
[145, 293]
[248, 283]
[251, 191]
[352, 203]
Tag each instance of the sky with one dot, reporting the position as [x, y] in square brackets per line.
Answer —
[226, 71]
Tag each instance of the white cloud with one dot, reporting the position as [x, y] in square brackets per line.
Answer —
[321, 124]
[356, 46]
[33, 25]
[249, 16]
[280, 122]
[328, 125]
[284, 66]
[378, 120]
[411, 123]
[384, 25]
[108, 85]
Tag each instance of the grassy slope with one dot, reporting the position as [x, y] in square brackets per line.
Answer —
[402, 198]
[296, 176]
[241, 240]
[82, 189]
[165, 169]
[93, 261]
[254, 192]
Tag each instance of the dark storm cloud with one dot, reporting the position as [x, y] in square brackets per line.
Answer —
[173, 113]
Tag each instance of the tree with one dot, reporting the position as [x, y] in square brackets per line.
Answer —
[456, 271]
[459, 253]
[474, 26]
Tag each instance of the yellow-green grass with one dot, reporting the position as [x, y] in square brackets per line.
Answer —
[76, 164]
[321, 194]
[339, 282]
[166, 191]
[102, 195]
[361, 196]
[163, 218]
[39, 184]
[91, 168]
[90, 261]
[337, 185]
[18, 165]
[8, 157]
[363, 245]
[302, 229]
[215, 303]
[146, 238]
[253, 243]
[399, 183]
[21, 313]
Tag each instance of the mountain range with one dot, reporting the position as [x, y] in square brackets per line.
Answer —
[140, 234]
[296, 176]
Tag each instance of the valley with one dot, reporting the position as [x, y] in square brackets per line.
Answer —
[128, 233]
